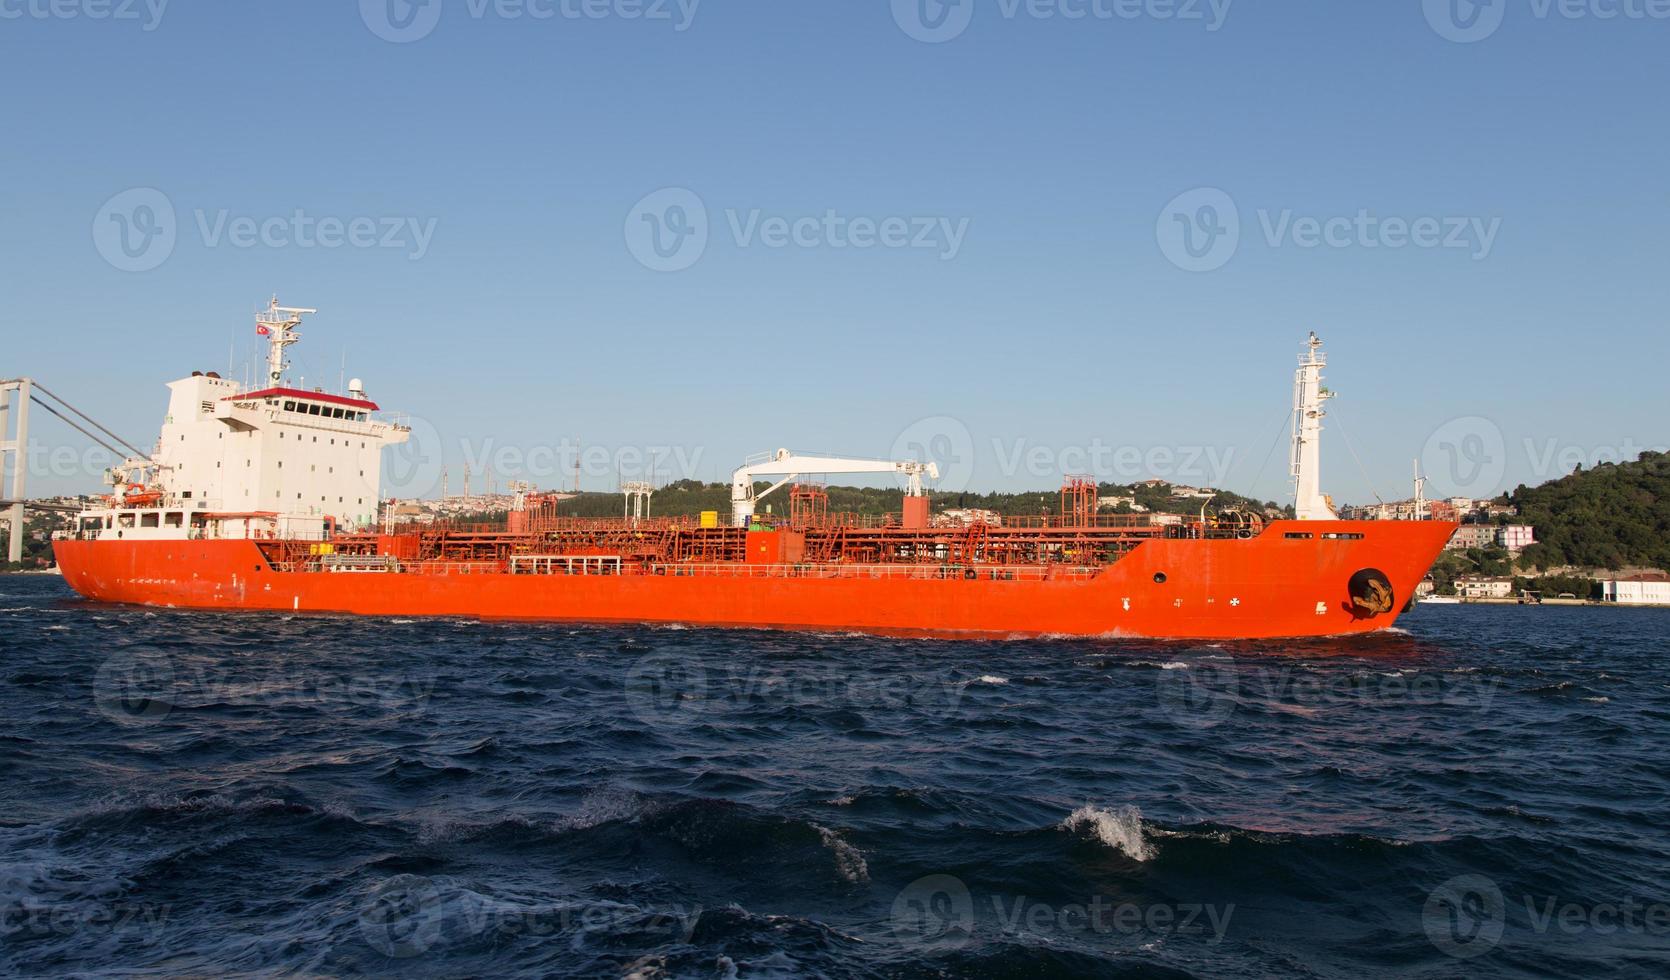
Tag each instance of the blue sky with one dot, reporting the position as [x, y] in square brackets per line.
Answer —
[1032, 307]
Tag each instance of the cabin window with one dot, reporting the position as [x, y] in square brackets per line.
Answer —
[150, 520]
[107, 523]
[174, 518]
[124, 520]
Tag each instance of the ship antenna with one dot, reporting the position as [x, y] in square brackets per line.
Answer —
[278, 324]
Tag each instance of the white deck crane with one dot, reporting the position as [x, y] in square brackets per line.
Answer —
[788, 466]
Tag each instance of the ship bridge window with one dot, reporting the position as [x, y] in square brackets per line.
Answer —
[150, 520]
[289, 406]
[336, 413]
[313, 409]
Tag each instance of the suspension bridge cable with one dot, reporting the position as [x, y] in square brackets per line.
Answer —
[69, 422]
[135, 450]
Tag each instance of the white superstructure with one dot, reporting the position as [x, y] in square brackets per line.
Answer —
[1309, 503]
[278, 461]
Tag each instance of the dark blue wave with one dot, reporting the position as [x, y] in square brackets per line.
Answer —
[183, 793]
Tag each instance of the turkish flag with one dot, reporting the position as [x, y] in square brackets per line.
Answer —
[261, 329]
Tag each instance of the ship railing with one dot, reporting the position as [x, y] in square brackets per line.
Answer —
[457, 567]
[926, 572]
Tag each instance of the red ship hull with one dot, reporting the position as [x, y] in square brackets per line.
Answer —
[1292, 580]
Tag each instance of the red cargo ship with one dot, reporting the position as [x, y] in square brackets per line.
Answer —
[268, 499]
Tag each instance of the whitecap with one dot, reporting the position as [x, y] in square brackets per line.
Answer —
[990, 679]
[1120, 829]
[849, 860]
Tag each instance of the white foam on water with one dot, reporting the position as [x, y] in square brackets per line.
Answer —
[1120, 829]
[849, 860]
[990, 679]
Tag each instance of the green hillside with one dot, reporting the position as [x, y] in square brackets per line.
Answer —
[1612, 516]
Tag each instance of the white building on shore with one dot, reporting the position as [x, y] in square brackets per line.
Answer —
[1650, 589]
